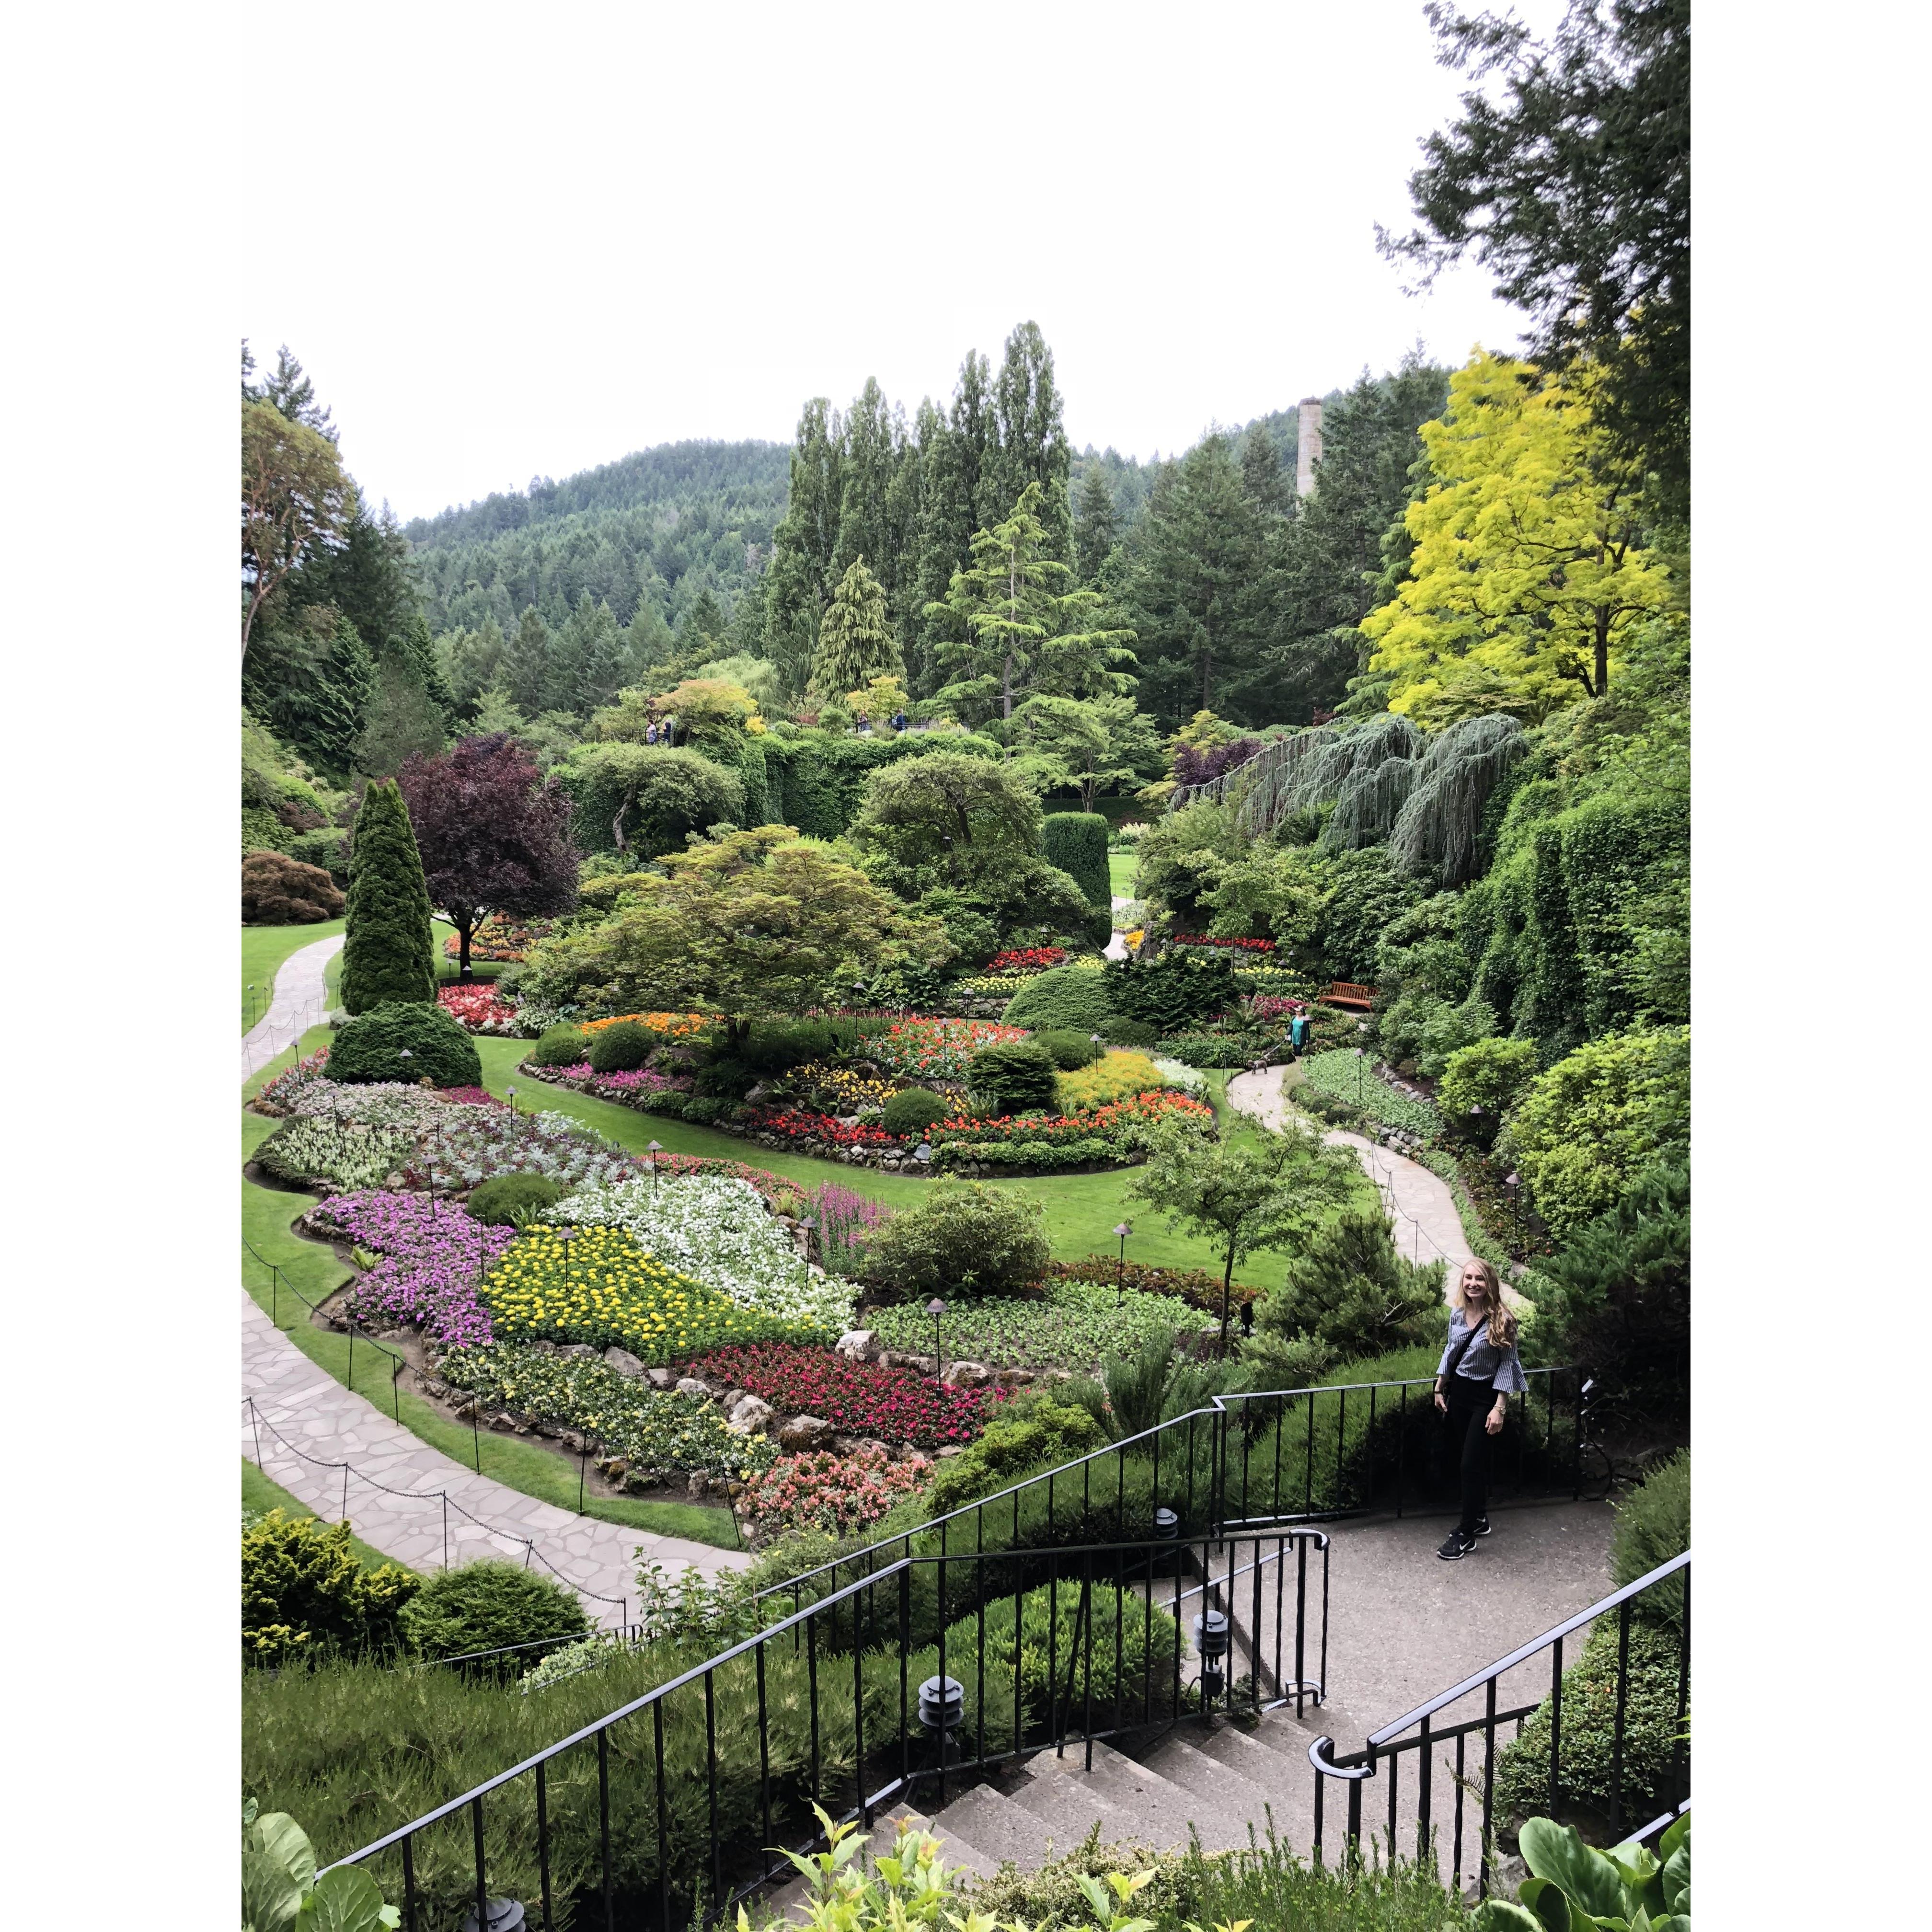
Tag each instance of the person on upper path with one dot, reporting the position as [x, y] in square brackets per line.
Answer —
[1479, 1371]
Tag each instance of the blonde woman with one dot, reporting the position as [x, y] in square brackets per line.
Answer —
[1479, 1371]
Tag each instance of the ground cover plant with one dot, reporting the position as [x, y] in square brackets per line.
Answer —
[718, 1230]
[431, 1256]
[660, 1433]
[1076, 1325]
[1341, 1075]
[1197, 1287]
[1115, 1076]
[600, 1286]
[857, 1398]
[840, 1495]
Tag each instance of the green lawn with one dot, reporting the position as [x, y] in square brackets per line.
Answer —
[1121, 868]
[313, 1271]
[262, 1492]
[263, 949]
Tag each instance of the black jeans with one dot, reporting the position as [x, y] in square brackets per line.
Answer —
[1469, 1404]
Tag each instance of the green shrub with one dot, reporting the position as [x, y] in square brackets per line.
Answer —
[371, 1047]
[1074, 998]
[1129, 1033]
[1491, 1074]
[489, 1605]
[276, 890]
[386, 951]
[502, 1202]
[561, 1046]
[327, 847]
[1041, 1433]
[666, 1101]
[1068, 1051]
[1175, 991]
[912, 1110]
[1653, 1525]
[965, 1237]
[621, 1048]
[1147, 1641]
[1583, 1130]
[1012, 1078]
[303, 1592]
[1211, 1049]
[1350, 1291]
[701, 1111]
[1076, 841]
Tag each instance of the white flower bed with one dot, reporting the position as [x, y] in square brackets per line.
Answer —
[718, 1230]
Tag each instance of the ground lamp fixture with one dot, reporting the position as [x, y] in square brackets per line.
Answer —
[1211, 1639]
[1166, 1525]
[512, 1092]
[1358, 1076]
[942, 1710]
[936, 1308]
[1123, 1229]
[499, 1915]
[651, 1153]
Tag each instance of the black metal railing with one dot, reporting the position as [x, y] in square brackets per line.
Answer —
[670, 1809]
[1637, 1664]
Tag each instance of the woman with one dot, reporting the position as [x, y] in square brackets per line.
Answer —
[1479, 1371]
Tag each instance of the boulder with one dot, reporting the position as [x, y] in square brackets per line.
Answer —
[691, 1385]
[697, 1487]
[625, 1363]
[806, 1431]
[963, 1374]
[751, 1415]
[661, 1378]
[952, 1449]
[577, 1351]
[859, 1345]
[1012, 1378]
[617, 1468]
[899, 1358]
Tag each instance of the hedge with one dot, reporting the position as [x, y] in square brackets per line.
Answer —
[386, 951]
[1076, 841]
[815, 780]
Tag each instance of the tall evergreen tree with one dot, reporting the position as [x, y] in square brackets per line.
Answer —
[799, 583]
[1030, 444]
[386, 951]
[1096, 525]
[587, 660]
[526, 661]
[856, 643]
[875, 440]
[953, 453]
[317, 696]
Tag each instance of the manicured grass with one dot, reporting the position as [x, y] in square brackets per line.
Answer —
[313, 1271]
[262, 1492]
[1121, 868]
[264, 948]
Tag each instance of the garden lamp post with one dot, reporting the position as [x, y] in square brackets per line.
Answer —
[1212, 1640]
[936, 1308]
[251, 1003]
[651, 1153]
[512, 1092]
[1358, 1076]
[808, 1224]
[1124, 1230]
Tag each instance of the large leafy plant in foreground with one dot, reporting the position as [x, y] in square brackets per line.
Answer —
[280, 1892]
[1575, 1888]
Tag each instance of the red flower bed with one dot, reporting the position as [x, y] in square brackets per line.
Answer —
[1026, 959]
[470, 1096]
[1236, 945]
[800, 1125]
[779, 1193]
[857, 1398]
[839, 1494]
[1137, 1110]
[478, 1007]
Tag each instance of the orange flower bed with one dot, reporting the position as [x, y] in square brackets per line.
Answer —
[672, 1026]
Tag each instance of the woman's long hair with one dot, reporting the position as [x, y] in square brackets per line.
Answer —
[1501, 1322]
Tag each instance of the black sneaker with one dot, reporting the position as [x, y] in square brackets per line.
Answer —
[1458, 1546]
[1483, 1525]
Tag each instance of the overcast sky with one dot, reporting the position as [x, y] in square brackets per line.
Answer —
[555, 237]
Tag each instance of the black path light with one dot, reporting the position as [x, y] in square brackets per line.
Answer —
[512, 1092]
[936, 1308]
[651, 1153]
[1212, 1640]
[1358, 1076]
[1123, 1229]
[499, 1915]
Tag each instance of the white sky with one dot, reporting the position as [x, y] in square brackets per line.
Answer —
[558, 236]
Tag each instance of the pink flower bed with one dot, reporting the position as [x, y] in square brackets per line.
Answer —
[839, 1494]
[478, 1007]
[432, 1256]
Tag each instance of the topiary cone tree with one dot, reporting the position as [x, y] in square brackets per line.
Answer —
[385, 954]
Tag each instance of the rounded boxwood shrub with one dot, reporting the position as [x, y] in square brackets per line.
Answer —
[912, 1110]
[499, 1202]
[561, 1046]
[1012, 1078]
[702, 1109]
[371, 1047]
[1073, 997]
[1068, 1051]
[964, 1238]
[1129, 1033]
[303, 1593]
[489, 1606]
[621, 1048]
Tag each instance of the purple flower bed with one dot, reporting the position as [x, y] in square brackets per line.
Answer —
[845, 1218]
[432, 1256]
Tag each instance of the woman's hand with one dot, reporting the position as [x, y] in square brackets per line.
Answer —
[1493, 1421]
[1441, 1404]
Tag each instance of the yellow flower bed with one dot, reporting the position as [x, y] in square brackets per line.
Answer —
[672, 1026]
[851, 1089]
[600, 1286]
[1114, 1076]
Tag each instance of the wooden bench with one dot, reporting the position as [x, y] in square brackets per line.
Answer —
[1346, 993]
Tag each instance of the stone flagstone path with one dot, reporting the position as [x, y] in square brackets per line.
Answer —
[301, 1001]
[300, 1407]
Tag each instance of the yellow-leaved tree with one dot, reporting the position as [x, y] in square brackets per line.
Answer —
[1528, 568]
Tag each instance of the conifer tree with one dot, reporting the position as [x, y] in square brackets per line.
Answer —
[1030, 445]
[386, 952]
[525, 668]
[856, 643]
[1096, 525]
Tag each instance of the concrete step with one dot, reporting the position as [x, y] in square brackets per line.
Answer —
[1163, 1810]
[788, 1901]
[1070, 1806]
[996, 1828]
[1223, 1793]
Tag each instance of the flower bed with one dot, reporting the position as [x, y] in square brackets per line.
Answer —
[431, 1256]
[845, 1086]
[1114, 1076]
[838, 1494]
[658, 1432]
[1266, 1007]
[1250, 978]
[858, 1398]
[672, 1026]
[1345, 1075]
[281, 1091]
[473, 1144]
[479, 1007]
[1077, 1326]
[937, 1049]
[1120, 1125]
[717, 1231]
[602, 1287]
[322, 1153]
[500, 941]
[1226, 945]
[995, 986]
[845, 1219]
[1198, 1287]
[1027, 959]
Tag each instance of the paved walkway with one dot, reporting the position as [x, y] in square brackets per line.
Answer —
[301, 1001]
[1427, 1225]
[300, 1407]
